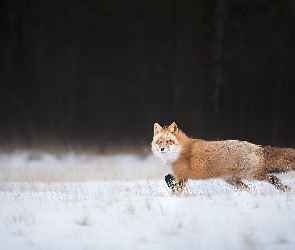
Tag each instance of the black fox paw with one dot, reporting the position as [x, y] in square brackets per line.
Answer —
[286, 188]
[169, 179]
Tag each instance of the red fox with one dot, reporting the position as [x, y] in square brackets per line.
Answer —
[231, 160]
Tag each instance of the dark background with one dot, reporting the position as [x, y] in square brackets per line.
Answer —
[99, 73]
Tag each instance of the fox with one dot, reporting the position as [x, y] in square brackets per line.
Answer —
[230, 160]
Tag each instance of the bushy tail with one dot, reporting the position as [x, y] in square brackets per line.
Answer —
[279, 160]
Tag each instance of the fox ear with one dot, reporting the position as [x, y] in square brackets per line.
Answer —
[173, 128]
[157, 128]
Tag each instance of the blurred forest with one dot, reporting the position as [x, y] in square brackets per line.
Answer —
[101, 72]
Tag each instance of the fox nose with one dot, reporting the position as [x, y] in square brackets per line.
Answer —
[162, 149]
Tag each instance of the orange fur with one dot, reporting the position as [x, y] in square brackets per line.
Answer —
[231, 160]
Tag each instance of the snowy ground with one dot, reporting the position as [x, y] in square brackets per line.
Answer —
[121, 202]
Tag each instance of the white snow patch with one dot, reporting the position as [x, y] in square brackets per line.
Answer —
[139, 213]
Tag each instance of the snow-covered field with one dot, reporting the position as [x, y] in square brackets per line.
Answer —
[121, 202]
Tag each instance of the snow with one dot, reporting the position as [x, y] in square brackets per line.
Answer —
[122, 202]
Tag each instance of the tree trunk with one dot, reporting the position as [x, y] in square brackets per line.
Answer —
[188, 75]
[277, 98]
[217, 48]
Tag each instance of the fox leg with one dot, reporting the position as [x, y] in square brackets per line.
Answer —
[176, 187]
[278, 183]
[236, 182]
[272, 180]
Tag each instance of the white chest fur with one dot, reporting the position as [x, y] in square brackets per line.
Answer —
[169, 155]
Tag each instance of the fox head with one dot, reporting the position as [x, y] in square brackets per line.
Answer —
[165, 144]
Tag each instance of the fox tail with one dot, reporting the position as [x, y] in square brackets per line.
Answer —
[279, 160]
